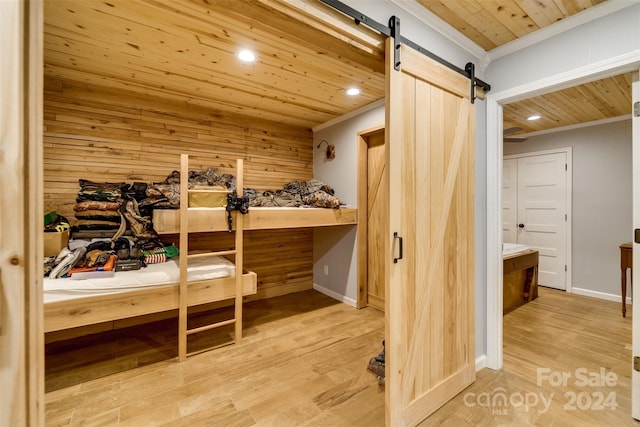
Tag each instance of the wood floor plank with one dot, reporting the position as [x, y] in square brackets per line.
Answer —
[303, 360]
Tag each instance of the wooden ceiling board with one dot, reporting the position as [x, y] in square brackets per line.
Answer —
[598, 100]
[186, 50]
[491, 24]
[308, 54]
[186, 53]
[458, 20]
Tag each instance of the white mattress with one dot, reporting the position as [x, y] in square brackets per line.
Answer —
[205, 268]
[513, 248]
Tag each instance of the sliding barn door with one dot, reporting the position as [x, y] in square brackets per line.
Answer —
[635, 331]
[430, 262]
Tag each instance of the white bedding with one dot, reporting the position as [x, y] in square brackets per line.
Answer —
[205, 268]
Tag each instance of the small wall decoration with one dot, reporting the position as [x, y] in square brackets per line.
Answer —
[331, 150]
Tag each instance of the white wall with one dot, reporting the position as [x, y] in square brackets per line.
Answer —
[602, 200]
[335, 247]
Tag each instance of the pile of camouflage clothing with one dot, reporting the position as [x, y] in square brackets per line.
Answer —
[111, 208]
[312, 193]
[166, 194]
[105, 255]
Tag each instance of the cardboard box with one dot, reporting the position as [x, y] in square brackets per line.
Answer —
[54, 242]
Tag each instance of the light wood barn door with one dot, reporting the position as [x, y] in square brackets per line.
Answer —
[430, 295]
[376, 210]
[635, 331]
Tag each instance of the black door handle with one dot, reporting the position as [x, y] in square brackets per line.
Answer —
[520, 225]
[396, 236]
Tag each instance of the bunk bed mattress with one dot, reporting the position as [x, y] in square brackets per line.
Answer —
[205, 268]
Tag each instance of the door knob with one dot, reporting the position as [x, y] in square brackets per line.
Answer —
[520, 225]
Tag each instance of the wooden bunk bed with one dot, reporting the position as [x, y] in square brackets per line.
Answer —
[167, 221]
[90, 310]
[79, 312]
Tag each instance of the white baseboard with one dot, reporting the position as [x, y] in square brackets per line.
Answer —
[481, 362]
[334, 295]
[600, 295]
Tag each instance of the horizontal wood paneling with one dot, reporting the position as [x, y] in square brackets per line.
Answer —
[98, 134]
[102, 135]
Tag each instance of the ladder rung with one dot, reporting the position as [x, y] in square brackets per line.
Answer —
[211, 326]
[218, 253]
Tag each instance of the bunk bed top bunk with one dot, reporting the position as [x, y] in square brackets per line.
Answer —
[167, 221]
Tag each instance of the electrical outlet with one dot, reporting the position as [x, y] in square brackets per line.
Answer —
[326, 270]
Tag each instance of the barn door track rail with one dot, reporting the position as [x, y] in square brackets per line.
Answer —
[393, 31]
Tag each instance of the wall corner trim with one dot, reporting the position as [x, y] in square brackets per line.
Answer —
[481, 362]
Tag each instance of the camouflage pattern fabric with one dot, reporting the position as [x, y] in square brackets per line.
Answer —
[163, 195]
[95, 258]
[322, 199]
[99, 215]
[212, 176]
[97, 205]
[140, 226]
[95, 225]
[99, 194]
[101, 191]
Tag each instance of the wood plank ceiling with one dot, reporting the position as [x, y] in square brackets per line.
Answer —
[185, 50]
[491, 24]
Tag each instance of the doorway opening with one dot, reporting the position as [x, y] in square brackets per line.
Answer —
[372, 221]
[495, 101]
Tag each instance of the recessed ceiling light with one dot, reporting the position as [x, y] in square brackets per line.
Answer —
[245, 55]
[353, 91]
[534, 117]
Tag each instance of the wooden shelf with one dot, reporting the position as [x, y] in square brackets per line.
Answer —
[167, 221]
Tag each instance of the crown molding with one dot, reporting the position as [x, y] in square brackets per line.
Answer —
[593, 13]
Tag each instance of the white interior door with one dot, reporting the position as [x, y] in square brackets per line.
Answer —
[542, 214]
[635, 373]
[510, 201]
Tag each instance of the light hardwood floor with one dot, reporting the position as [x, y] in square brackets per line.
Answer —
[303, 360]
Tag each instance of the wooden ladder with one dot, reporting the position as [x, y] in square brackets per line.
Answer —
[183, 330]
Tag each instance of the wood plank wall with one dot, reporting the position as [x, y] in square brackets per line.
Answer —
[102, 135]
